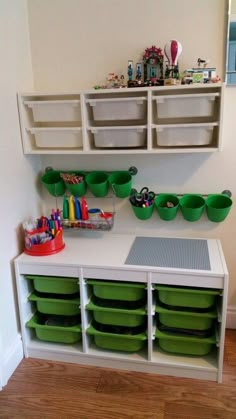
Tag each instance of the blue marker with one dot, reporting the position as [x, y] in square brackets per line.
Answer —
[77, 209]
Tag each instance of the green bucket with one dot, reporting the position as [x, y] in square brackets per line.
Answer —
[143, 213]
[218, 207]
[166, 212]
[77, 189]
[53, 183]
[121, 183]
[192, 206]
[98, 183]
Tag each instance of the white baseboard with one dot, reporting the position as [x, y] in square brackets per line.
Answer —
[11, 359]
[231, 317]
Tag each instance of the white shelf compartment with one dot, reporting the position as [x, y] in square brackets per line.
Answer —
[185, 135]
[119, 137]
[204, 365]
[197, 105]
[125, 108]
[56, 137]
[55, 110]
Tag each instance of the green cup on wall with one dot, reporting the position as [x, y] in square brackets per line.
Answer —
[98, 183]
[143, 213]
[218, 207]
[121, 183]
[167, 206]
[53, 183]
[77, 189]
[192, 206]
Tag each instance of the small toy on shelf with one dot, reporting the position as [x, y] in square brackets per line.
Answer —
[153, 66]
[201, 73]
[173, 50]
[113, 81]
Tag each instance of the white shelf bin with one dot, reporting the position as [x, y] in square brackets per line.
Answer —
[57, 137]
[118, 108]
[180, 135]
[119, 137]
[55, 110]
[186, 105]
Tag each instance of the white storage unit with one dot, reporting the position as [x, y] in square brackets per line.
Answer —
[108, 263]
[126, 108]
[120, 137]
[110, 118]
[185, 135]
[55, 110]
[57, 137]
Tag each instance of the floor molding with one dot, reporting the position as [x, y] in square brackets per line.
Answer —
[231, 317]
[11, 359]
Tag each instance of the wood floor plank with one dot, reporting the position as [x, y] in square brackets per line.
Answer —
[44, 389]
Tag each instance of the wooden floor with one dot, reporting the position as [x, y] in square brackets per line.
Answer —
[43, 389]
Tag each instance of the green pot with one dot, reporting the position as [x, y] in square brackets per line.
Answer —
[98, 183]
[218, 207]
[143, 213]
[192, 206]
[121, 183]
[167, 213]
[78, 189]
[53, 183]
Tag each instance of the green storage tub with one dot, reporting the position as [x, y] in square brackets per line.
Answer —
[201, 298]
[184, 345]
[57, 306]
[58, 334]
[54, 284]
[117, 316]
[186, 319]
[115, 290]
[118, 342]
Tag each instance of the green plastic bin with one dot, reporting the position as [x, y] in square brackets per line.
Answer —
[116, 316]
[54, 284]
[167, 213]
[186, 319]
[57, 306]
[118, 342]
[185, 345]
[115, 290]
[199, 298]
[192, 206]
[218, 207]
[58, 334]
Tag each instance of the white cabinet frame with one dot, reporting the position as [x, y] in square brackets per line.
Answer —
[71, 116]
[151, 359]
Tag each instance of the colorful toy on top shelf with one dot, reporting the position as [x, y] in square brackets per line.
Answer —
[173, 50]
[153, 66]
[149, 72]
[201, 73]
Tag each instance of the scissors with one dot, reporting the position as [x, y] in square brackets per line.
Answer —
[144, 198]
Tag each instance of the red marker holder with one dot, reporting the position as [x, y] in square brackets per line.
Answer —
[44, 249]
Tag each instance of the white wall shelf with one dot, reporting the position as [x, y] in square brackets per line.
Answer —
[168, 119]
[75, 261]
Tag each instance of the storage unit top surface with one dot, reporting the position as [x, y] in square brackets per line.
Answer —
[126, 89]
[109, 250]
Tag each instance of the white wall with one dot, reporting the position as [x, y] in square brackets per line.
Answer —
[17, 173]
[76, 43]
